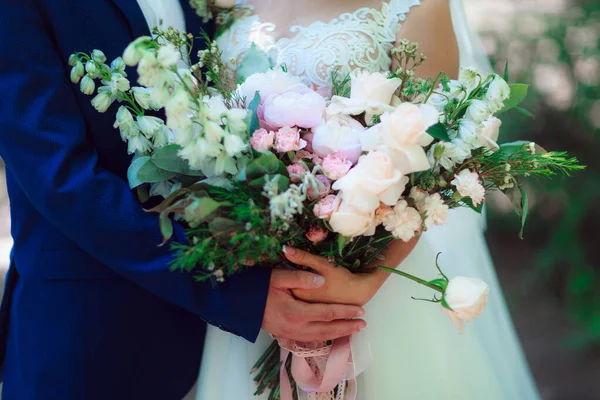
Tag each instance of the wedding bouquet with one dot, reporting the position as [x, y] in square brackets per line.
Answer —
[262, 162]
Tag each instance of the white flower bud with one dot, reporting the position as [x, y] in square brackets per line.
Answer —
[118, 65]
[124, 117]
[149, 125]
[102, 101]
[73, 58]
[168, 56]
[142, 96]
[498, 92]
[98, 56]
[91, 69]
[77, 72]
[135, 51]
[465, 299]
[87, 85]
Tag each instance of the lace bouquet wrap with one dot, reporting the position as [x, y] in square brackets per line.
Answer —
[252, 165]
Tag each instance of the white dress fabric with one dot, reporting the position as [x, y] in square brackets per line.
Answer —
[417, 354]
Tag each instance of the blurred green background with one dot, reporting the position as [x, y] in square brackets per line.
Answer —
[552, 277]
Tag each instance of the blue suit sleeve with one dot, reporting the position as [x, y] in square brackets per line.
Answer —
[43, 143]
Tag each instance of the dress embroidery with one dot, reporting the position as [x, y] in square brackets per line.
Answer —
[362, 39]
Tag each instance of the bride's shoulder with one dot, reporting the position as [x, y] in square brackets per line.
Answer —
[430, 25]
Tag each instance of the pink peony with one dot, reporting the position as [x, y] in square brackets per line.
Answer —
[468, 185]
[316, 234]
[288, 139]
[336, 165]
[326, 206]
[296, 169]
[322, 186]
[297, 106]
[262, 140]
[338, 133]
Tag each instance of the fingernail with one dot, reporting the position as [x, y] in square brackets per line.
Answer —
[289, 250]
[361, 312]
[318, 280]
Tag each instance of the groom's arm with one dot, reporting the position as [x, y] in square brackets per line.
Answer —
[43, 142]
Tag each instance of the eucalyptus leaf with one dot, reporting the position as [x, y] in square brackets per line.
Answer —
[266, 164]
[199, 210]
[525, 112]
[150, 173]
[167, 158]
[525, 209]
[255, 61]
[439, 131]
[254, 123]
[518, 92]
[132, 171]
[166, 227]
[518, 197]
[508, 149]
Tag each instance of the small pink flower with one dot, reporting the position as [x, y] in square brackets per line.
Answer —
[262, 140]
[322, 186]
[296, 169]
[316, 234]
[303, 155]
[336, 165]
[288, 139]
[468, 185]
[308, 137]
[326, 206]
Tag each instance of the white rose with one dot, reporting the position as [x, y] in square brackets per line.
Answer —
[374, 175]
[338, 133]
[466, 297]
[478, 111]
[490, 133]
[349, 221]
[272, 82]
[370, 93]
[498, 92]
[403, 133]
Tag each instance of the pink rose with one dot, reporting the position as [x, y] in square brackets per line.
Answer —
[316, 234]
[336, 165]
[298, 170]
[288, 139]
[297, 106]
[262, 140]
[326, 206]
[322, 186]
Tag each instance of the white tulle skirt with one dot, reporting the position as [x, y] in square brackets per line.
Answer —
[417, 354]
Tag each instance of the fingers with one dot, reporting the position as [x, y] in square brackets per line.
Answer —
[322, 331]
[306, 259]
[330, 312]
[284, 279]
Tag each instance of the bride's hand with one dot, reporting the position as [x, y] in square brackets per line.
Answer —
[343, 286]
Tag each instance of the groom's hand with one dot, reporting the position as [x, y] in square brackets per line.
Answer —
[290, 318]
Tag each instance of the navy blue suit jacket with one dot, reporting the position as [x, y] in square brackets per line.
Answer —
[91, 309]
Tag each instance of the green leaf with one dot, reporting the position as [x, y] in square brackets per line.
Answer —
[150, 173]
[266, 164]
[200, 209]
[254, 124]
[222, 226]
[342, 242]
[166, 227]
[439, 131]
[506, 74]
[132, 171]
[518, 197]
[525, 209]
[254, 62]
[518, 92]
[440, 282]
[525, 112]
[508, 149]
[478, 209]
[167, 158]
[142, 193]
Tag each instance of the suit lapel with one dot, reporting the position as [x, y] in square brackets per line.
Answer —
[134, 16]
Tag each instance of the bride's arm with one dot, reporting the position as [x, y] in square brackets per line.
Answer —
[430, 25]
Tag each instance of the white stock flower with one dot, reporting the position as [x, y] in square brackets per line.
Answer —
[136, 50]
[136, 142]
[159, 96]
[168, 55]
[497, 93]
[468, 185]
[117, 83]
[490, 133]
[98, 56]
[91, 69]
[478, 111]
[178, 109]
[118, 65]
[150, 71]
[467, 298]
[371, 93]
[142, 96]
[338, 133]
[161, 137]
[215, 107]
[124, 117]
[149, 125]
[402, 221]
[87, 85]
[77, 72]
[236, 121]
[234, 145]
[103, 100]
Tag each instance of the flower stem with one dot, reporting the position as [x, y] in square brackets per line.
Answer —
[413, 278]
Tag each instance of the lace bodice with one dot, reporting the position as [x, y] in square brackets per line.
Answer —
[362, 39]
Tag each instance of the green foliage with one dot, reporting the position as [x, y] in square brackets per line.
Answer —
[254, 62]
[439, 131]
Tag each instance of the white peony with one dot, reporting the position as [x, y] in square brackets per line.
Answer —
[370, 92]
[468, 185]
[467, 298]
[272, 82]
[338, 133]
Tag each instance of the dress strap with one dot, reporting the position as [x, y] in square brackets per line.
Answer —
[399, 8]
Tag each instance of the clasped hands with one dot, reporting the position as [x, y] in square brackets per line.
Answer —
[327, 304]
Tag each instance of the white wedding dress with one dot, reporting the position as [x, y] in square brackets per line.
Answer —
[417, 354]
